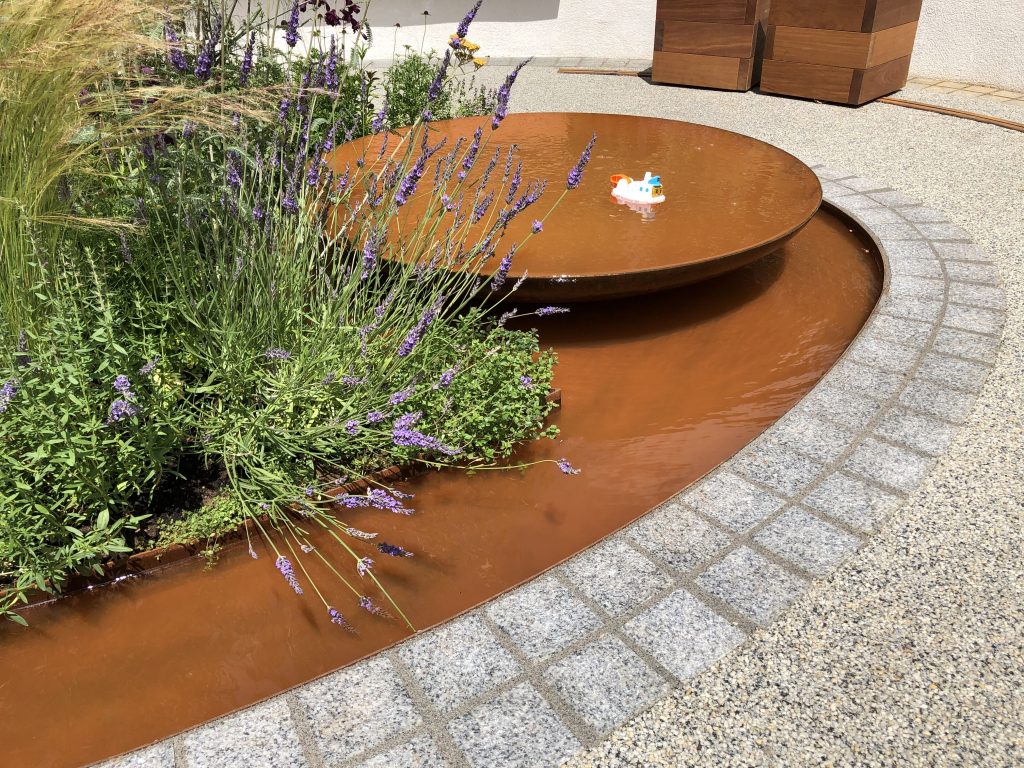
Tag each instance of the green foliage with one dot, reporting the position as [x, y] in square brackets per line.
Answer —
[250, 301]
[207, 523]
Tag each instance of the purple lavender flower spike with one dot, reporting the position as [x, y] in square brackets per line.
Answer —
[148, 368]
[352, 381]
[370, 251]
[368, 605]
[331, 80]
[379, 120]
[545, 311]
[401, 396]
[481, 210]
[174, 54]
[408, 185]
[352, 426]
[337, 618]
[393, 550]
[471, 153]
[538, 226]
[364, 565]
[567, 468]
[122, 384]
[291, 31]
[490, 167]
[234, 178]
[282, 110]
[414, 336]
[375, 417]
[246, 68]
[252, 553]
[501, 274]
[526, 382]
[576, 174]
[284, 565]
[122, 410]
[276, 353]
[504, 94]
[126, 251]
[447, 378]
[204, 61]
[513, 186]
[463, 29]
[7, 393]
[435, 87]
[356, 533]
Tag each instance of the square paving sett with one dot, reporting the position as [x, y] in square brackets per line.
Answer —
[606, 683]
[418, 752]
[805, 540]
[683, 634]
[517, 728]
[615, 576]
[729, 498]
[457, 661]
[356, 708]
[751, 584]
[542, 617]
[678, 537]
[853, 501]
[776, 466]
[262, 736]
[889, 464]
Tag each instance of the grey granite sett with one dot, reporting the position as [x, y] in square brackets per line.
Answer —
[356, 708]
[911, 333]
[259, 737]
[857, 202]
[954, 372]
[616, 576]
[804, 432]
[832, 174]
[777, 467]
[157, 756]
[457, 661]
[965, 344]
[895, 199]
[514, 730]
[913, 286]
[937, 400]
[917, 267]
[830, 190]
[942, 231]
[973, 319]
[605, 683]
[876, 216]
[859, 184]
[883, 353]
[913, 308]
[921, 215]
[867, 380]
[684, 634]
[807, 541]
[834, 403]
[973, 272]
[751, 584]
[900, 231]
[418, 752]
[853, 501]
[542, 617]
[677, 536]
[973, 294]
[960, 251]
[916, 430]
[732, 500]
[909, 250]
[891, 465]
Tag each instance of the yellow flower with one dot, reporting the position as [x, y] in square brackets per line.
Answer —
[471, 47]
[479, 62]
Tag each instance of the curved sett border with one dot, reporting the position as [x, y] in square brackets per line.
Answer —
[550, 668]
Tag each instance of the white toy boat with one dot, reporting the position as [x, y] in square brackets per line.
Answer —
[646, 192]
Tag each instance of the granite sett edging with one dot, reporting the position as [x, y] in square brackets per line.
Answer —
[551, 667]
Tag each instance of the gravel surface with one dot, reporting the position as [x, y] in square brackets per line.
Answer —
[911, 653]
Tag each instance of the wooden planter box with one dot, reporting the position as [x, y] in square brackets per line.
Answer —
[846, 51]
[708, 43]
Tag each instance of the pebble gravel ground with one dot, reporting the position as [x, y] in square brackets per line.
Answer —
[910, 653]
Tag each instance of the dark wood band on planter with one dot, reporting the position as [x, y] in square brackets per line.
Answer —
[708, 43]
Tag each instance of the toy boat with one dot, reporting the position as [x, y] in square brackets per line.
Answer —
[648, 191]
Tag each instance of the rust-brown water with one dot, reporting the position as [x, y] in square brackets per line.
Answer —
[655, 392]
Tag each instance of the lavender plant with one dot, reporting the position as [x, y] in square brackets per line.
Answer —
[256, 313]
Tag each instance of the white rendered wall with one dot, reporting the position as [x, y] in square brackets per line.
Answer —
[978, 41]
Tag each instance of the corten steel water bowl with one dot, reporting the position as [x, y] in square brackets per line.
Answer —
[730, 200]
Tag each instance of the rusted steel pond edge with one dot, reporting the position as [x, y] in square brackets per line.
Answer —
[550, 667]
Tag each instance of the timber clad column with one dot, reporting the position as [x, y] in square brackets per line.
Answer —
[708, 43]
[846, 51]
